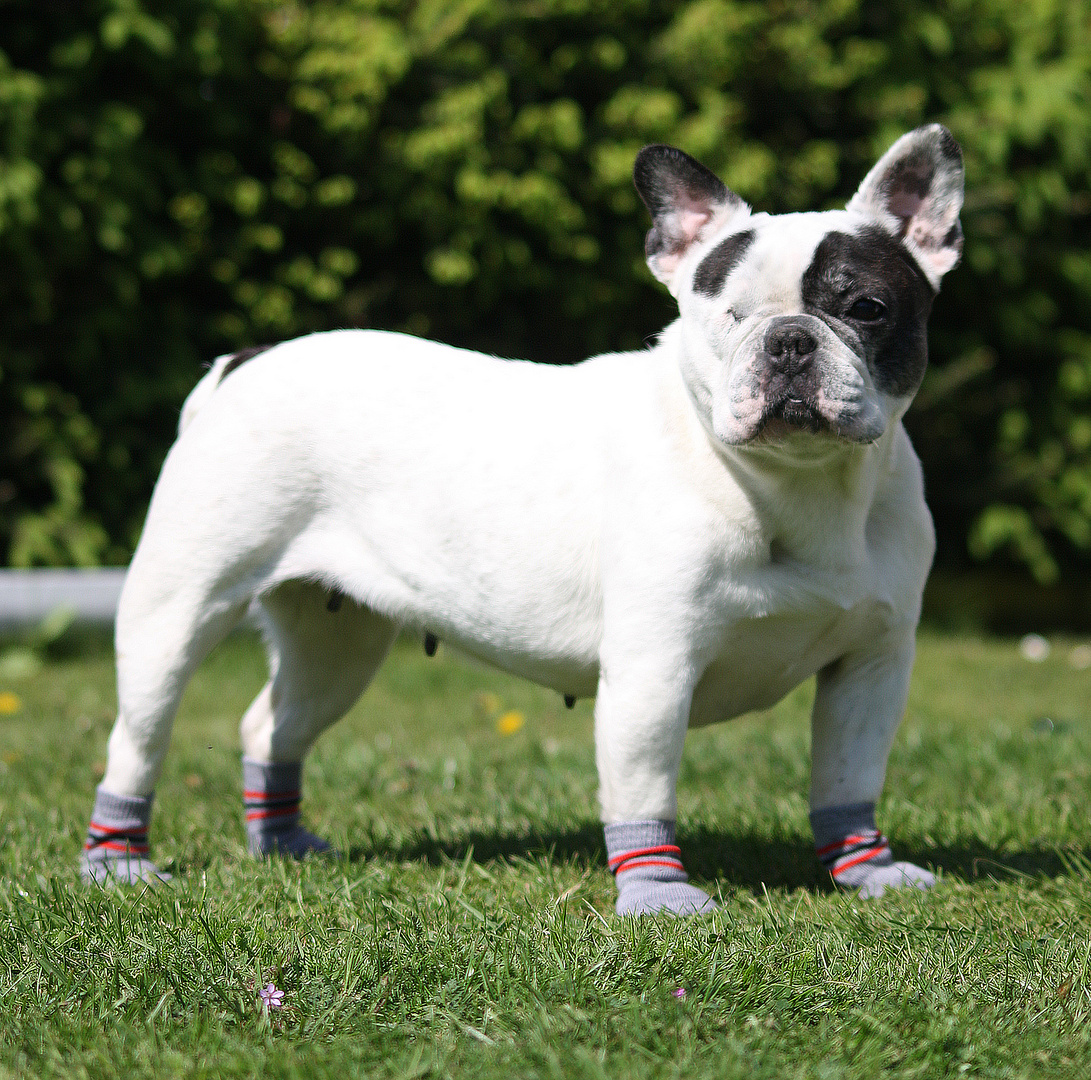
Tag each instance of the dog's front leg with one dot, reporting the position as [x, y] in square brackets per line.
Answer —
[858, 706]
[641, 715]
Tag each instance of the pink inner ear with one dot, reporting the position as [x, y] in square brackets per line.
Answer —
[905, 204]
[691, 221]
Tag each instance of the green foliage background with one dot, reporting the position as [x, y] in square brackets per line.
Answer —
[181, 177]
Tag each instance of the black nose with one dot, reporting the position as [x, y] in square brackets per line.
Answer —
[789, 341]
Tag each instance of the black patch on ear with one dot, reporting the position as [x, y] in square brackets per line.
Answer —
[667, 178]
[661, 173]
[954, 236]
[720, 261]
[912, 175]
[873, 264]
[239, 358]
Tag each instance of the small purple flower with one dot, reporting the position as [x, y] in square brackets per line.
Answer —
[679, 992]
[269, 998]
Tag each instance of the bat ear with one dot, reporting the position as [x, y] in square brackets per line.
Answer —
[687, 203]
[915, 191]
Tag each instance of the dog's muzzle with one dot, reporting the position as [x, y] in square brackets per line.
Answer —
[790, 382]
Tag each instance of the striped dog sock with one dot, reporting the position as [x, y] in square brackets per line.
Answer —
[858, 856]
[647, 865]
[117, 840]
[271, 796]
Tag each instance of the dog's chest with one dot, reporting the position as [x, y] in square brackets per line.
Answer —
[762, 658]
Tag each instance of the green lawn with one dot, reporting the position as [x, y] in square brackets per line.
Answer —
[469, 931]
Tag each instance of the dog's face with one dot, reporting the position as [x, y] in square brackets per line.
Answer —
[805, 324]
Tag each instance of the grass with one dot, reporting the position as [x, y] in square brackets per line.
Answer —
[469, 931]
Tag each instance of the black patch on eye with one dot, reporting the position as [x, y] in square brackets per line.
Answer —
[720, 261]
[237, 359]
[849, 267]
[867, 310]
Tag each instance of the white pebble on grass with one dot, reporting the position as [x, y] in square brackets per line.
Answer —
[1034, 648]
[1080, 657]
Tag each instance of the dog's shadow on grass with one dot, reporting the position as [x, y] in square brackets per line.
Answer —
[975, 861]
[743, 860]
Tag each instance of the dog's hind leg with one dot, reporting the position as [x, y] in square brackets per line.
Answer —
[164, 630]
[321, 658]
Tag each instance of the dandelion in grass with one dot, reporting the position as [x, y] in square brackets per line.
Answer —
[10, 703]
[510, 722]
[270, 998]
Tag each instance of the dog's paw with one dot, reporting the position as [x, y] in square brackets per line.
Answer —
[899, 875]
[664, 897]
[295, 843]
[131, 871]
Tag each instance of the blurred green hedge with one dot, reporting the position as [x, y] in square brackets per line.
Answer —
[181, 177]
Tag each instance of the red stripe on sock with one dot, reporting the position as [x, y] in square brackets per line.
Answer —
[661, 850]
[849, 841]
[859, 859]
[284, 811]
[108, 831]
[111, 845]
[263, 796]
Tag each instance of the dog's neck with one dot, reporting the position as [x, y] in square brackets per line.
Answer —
[792, 483]
[814, 501]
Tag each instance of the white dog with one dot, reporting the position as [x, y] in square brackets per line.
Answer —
[685, 533]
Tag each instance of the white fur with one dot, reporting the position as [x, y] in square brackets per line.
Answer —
[573, 525]
[592, 528]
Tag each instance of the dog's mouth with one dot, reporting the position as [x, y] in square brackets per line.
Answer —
[789, 415]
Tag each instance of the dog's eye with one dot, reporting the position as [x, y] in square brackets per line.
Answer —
[867, 309]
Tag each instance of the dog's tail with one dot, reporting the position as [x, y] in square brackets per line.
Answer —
[200, 394]
[222, 366]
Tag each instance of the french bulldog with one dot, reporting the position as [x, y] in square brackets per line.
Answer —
[684, 533]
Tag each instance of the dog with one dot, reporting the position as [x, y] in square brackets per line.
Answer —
[684, 533]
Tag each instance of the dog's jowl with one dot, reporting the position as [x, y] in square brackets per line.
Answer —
[683, 533]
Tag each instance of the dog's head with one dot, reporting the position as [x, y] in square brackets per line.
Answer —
[805, 323]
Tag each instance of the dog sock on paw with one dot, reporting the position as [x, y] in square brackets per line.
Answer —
[858, 856]
[117, 840]
[271, 796]
[647, 865]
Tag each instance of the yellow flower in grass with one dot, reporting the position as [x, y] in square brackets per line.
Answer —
[488, 706]
[510, 722]
[9, 703]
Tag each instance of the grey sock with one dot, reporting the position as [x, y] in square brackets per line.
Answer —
[271, 794]
[858, 856]
[648, 866]
[117, 840]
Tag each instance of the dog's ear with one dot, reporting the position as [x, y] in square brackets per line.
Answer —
[915, 190]
[686, 202]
